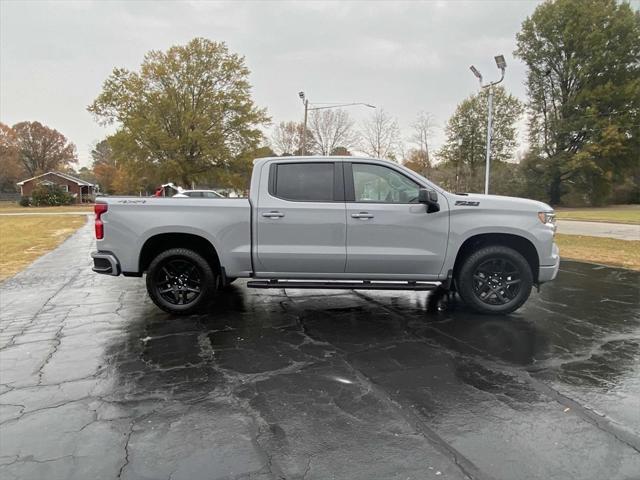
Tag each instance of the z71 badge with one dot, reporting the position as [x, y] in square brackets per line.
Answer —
[466, 203]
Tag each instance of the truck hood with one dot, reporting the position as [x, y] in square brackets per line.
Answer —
[498, 202]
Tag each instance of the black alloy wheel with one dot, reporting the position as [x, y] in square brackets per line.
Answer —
[180, 281]
[495, 279]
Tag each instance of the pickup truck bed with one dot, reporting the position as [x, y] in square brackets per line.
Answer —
[134, 225]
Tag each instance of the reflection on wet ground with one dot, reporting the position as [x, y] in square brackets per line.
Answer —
[97, 383]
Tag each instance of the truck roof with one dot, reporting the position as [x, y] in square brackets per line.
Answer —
[321, 158]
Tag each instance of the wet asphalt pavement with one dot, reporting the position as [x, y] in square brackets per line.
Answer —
[98, 383]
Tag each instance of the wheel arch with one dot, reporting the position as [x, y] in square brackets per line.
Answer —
[519, 243]
[160, 242]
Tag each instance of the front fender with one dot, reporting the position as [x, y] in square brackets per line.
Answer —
[467, 223]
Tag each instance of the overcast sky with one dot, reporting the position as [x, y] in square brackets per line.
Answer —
[402, 56]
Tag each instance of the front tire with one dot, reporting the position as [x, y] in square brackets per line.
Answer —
[180, 281]
[495, 279]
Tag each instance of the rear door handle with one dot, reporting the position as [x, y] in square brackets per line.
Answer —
[363, 215]
[273, 214]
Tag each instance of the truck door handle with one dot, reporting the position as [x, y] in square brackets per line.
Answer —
[363, 215]
[273, 214]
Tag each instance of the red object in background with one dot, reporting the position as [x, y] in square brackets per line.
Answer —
[158, 192]
[99, 209]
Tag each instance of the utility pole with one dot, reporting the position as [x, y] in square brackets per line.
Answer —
[304, 128]
[305, 102]
[489, 132]
[502, 65]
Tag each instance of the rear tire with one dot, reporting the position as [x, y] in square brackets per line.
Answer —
[495, 279]
[180, 281]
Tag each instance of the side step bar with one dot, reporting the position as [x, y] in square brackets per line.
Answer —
[343, 285]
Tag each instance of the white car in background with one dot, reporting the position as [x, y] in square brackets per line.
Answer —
[198, 194]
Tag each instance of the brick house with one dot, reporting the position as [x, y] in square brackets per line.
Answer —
[81, 190]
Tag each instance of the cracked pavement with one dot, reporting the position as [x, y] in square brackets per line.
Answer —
[95, 382]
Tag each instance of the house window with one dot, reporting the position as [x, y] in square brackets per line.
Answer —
[47, 183]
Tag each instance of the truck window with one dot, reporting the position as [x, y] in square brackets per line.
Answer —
[305, 182]
[378, 184]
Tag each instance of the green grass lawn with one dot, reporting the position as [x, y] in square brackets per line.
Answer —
[607, 251]
[25, 238]
[12, 207]
[613, 214]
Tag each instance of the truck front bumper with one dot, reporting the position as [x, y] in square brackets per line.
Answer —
[546, 273]
[105, 263]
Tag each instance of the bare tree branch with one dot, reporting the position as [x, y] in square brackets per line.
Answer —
[380, 135]
[287, 138]
[423, 129]
[331, 129]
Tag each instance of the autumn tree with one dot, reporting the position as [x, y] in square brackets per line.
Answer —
[330, 129]
[11, 169]
[287, 138]
[86, 174]
[583, 81]
[134, 172]
[418, 161]
[42, 149]
[380, 135]
[237, 175]
[466, 136]
[185, 112]
[105, 166]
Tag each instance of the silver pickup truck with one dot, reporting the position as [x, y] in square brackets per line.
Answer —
[331, 222]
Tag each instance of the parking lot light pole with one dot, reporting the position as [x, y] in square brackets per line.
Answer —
[459, 141]
[305, 102]
[502, 65]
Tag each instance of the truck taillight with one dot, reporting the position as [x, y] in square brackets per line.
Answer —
[99, 209]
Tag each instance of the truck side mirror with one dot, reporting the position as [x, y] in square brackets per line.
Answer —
[430, 198]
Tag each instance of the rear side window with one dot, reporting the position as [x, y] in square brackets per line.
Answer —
[304, 182]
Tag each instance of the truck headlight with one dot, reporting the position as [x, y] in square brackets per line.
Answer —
[548, 218]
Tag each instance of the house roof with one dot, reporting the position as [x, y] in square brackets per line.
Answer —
[66, 176]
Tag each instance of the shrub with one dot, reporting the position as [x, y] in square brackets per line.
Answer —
[24, 201]
[50, 195]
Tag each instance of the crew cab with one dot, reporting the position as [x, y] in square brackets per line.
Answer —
[331, 222]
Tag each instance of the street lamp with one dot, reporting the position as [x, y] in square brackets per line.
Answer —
[476, 73]
[502, 65]
[305, 102]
